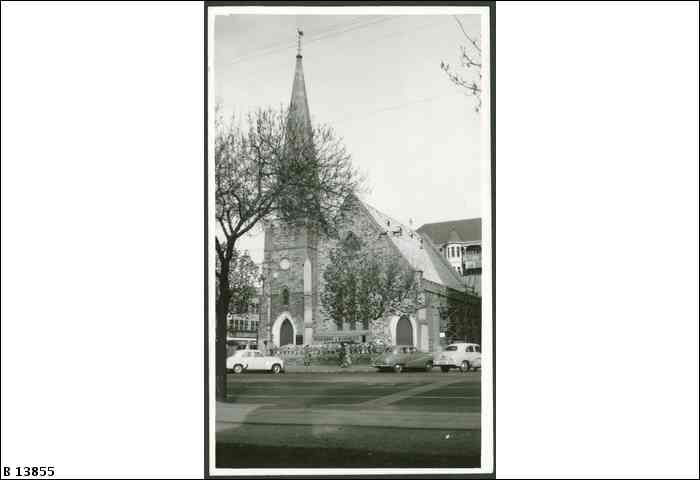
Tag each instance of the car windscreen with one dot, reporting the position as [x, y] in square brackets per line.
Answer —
[451, 348]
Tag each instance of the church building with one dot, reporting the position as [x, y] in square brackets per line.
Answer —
[295, 258]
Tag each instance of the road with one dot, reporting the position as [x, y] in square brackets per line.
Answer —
[350, 420]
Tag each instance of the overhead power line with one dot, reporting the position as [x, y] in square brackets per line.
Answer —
[275, 47]
[394, 107]
[402, 32]
[324, 35]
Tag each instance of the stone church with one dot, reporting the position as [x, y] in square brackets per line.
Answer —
[295, 258]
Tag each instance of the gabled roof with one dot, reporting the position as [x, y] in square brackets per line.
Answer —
[467, 230]
[421, 255]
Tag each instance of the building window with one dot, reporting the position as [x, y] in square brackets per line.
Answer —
[285, 296]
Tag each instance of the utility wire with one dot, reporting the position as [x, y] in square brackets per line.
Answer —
[394, 107]
[285, 45]
[328, 34]
[402, 32]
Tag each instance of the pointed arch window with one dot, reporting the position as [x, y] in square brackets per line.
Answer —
[285, 296]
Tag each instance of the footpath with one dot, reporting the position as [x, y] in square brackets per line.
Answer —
[328, 369]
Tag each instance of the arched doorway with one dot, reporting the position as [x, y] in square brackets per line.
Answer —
[286, 333]
[404, 331]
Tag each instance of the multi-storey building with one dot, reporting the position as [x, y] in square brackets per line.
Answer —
[459, 241]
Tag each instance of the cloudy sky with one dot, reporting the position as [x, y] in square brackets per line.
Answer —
[377, 81]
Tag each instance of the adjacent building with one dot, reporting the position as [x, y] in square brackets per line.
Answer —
[459, 241]
[243, 326]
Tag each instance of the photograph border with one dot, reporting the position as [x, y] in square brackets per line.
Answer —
[492, 137]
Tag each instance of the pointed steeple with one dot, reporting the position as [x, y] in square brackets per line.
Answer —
[302, 203]
[299, 105]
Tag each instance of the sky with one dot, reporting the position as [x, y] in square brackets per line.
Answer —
[377, 81]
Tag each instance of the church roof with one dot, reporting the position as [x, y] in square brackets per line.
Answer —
[299, 105]
[467, 230]
[421, 255]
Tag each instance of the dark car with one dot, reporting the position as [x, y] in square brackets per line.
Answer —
[403, 357]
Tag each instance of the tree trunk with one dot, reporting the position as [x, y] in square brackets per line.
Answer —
[220, 362]
[222, 302]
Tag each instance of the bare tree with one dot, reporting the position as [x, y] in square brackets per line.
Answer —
[362, 284]
[470, 61]
[276, 166]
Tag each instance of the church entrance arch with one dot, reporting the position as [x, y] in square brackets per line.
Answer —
[286, 333]
[284, 330]
[404, 331]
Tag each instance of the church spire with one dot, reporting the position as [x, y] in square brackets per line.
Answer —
[299, 105]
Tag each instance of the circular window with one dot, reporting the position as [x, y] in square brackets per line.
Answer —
[284, 264]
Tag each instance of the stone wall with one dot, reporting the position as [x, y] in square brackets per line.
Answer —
[293, 244]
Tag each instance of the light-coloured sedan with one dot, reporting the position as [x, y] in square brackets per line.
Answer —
[254, 360]
[464, 356]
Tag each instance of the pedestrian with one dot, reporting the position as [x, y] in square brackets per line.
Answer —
[341, 355]
[307, 355]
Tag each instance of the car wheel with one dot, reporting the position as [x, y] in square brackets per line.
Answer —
[237, 368]
[398, 368]
[445, 369]
[465, 366]
[428, 366]
[276, 368]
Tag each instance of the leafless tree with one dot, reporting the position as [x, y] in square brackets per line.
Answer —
[274, 166]
[470, 61]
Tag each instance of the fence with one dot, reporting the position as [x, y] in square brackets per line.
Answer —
[327, 354]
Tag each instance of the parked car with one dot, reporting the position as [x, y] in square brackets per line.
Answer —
[233, 345]
[401, 357]
[464, 356]
[249, 360]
